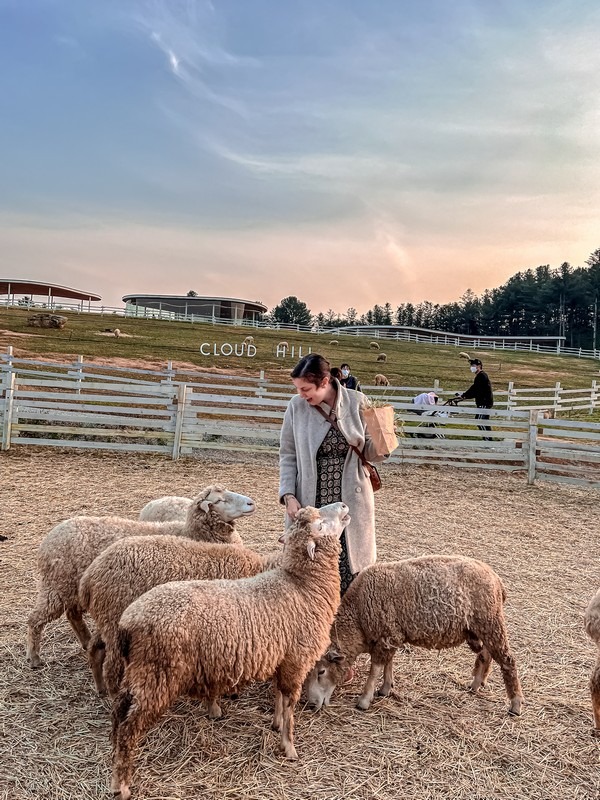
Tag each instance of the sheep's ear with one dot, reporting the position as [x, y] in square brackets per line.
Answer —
[334, 657]
[205, 506]
[310, 549]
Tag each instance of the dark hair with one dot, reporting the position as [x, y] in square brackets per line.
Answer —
[312, 368]
[336, 372]
[345, 365]
[476, 362]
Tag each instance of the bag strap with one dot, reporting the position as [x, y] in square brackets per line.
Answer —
[334, 425]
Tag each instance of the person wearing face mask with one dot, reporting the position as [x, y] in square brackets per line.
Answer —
[317, 463]
[480, 391]
[348, 380]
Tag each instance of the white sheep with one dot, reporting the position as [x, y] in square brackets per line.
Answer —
[248, 340]
[71, 546]
[116, 333]
[374, 345]
[592, 628]
[334, 342]
[381, 380]
[432, 601]
[132, 566]
[381, 357]
[165, 509]
[283, 345]
[209, 638]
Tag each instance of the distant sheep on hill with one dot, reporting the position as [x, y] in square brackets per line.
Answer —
[374, 345]
[248, 340]
[283, 344]
[381, 357]
[381, 380]
[334, 342]
[116, 333]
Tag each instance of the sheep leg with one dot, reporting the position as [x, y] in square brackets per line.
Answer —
[595, 693]
[48, 607]
[277, 723]
[481, 670]
[96, 653]
[75, 616]
[131, 719]
[502, 655]
[287, 728]
[366, 698]
[214, 709]
[388, 676]
[113, 666]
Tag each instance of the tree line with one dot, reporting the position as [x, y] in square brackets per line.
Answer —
[538, 302]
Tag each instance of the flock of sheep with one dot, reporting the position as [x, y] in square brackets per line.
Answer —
[181, 607]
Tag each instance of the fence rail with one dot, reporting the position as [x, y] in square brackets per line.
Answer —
[85, 406]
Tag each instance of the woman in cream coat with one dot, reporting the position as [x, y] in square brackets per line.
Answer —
[317, 465]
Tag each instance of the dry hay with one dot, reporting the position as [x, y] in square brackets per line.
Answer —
[431, 739]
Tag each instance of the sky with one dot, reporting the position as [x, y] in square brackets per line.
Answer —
[343, 151]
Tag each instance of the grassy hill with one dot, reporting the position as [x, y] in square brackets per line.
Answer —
[157, 341]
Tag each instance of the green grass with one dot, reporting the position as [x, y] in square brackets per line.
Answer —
[407, 364]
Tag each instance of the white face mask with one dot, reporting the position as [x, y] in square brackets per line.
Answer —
[345, 373]
[473, 369]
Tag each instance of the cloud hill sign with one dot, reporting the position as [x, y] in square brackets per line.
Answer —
[227, 349]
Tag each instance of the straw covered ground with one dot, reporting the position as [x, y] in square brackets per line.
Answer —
[431, 739]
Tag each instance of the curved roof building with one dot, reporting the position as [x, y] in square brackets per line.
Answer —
[48, 291]
[230, 308]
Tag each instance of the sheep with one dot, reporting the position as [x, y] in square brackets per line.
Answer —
[462, 354]
[433, 602]
[248, 340]
[381, 380]
[165, 509]
[116, 333]
[211, 637]
[71, 546]
[334, 342]
[592, 628]
[132, 566]
[381, 357]
[283, 344]
[374, 345]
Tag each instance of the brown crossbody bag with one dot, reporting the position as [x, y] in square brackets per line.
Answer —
[372, 470]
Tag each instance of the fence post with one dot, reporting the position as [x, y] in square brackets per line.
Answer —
[181, 398]
[532, 446]
[594, 395]
[79, 371]
[8, 404]
[509, 395]
[557, 391]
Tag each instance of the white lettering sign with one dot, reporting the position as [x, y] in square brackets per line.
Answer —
[227, 349]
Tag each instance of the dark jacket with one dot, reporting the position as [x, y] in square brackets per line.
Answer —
[481, 391]
[351, 383]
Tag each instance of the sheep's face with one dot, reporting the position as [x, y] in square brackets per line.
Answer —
[327, 673]
[227, 505]
[314, 530]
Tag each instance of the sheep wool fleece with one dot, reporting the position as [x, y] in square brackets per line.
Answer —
[302, 433]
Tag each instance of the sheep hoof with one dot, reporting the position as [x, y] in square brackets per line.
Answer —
[290, 753]
[275, 726]
[35, 662]
[363, 704]
[515, 707]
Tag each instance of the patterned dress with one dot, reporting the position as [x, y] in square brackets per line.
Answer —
[331, 457]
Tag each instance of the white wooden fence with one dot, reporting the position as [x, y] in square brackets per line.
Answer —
[86, 406]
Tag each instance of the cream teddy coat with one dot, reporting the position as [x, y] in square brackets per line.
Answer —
[302, 433]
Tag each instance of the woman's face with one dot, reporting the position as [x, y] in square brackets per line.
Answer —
[311, 393]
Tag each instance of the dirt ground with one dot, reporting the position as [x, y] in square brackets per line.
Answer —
[430, 739]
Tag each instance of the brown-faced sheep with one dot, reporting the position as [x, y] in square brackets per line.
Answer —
[435, 602]
[132, 566]
[212, 637]
[381, 357]
[374, 345]
[71, 546]
[165, 509]
[592, 628]
[381, 380]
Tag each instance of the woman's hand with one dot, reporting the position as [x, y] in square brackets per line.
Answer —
[292, 506]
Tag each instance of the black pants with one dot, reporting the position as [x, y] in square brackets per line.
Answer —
[484, 427]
